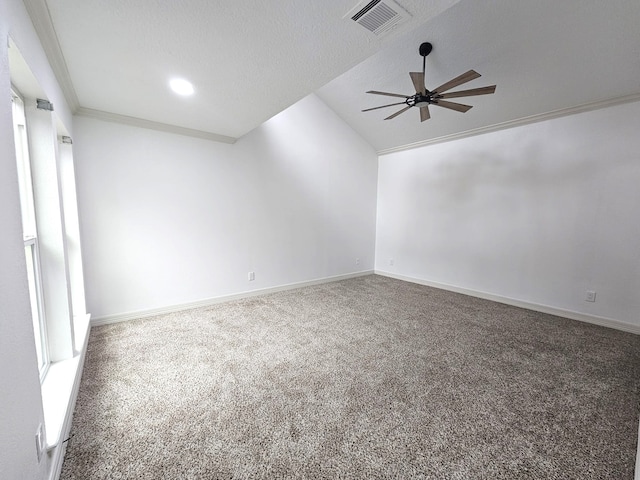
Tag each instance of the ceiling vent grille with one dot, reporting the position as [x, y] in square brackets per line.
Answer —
[378, 16]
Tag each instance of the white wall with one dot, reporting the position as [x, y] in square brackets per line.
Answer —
[20, 397]
[539, 213]
[168, 220]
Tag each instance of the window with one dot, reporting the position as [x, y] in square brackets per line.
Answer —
[51, 237]
[30, 233]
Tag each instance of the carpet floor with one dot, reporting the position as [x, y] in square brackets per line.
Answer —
[364, 378]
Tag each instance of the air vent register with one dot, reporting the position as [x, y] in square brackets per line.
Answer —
[378, 16]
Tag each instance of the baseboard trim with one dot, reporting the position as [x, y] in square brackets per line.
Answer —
[582, 317]
[123, 317]
[59, 450]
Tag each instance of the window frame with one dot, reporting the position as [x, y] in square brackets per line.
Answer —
[30, 232]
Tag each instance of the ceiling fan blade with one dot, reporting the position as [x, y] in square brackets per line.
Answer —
[424, 113]
[468, 93]
[383, 106]
[418, 82]
[398, 113]
[459, 80]
[375, 92]
[458, 107]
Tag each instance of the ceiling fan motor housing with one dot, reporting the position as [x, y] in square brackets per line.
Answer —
[420, 101]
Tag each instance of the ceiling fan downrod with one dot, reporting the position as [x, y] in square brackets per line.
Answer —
[423, 97]
[425, 50]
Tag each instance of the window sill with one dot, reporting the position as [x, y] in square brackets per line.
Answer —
[60, 388]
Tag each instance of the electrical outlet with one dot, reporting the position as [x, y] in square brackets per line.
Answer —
[391, 262]
[357, 261]
[591, 296]
[40, 441]
[252, 276]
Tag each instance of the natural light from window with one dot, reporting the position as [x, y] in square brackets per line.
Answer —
[29, 232]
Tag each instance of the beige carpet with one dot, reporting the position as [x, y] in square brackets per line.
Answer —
[364, 378]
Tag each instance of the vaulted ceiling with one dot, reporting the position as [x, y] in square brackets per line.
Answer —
[251, 59]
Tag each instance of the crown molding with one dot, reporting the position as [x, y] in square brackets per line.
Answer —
[563, 112]
[41, 19]
[163, 127]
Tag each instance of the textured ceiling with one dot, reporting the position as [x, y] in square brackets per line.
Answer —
[248, 59]
[544, 56]
[251, 59]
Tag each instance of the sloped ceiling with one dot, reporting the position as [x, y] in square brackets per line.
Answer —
[251, 59]
[248, 59]
[545, 56]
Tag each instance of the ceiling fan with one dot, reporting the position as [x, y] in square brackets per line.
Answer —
[423, 97]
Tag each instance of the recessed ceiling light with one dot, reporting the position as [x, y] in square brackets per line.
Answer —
[181, 86]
